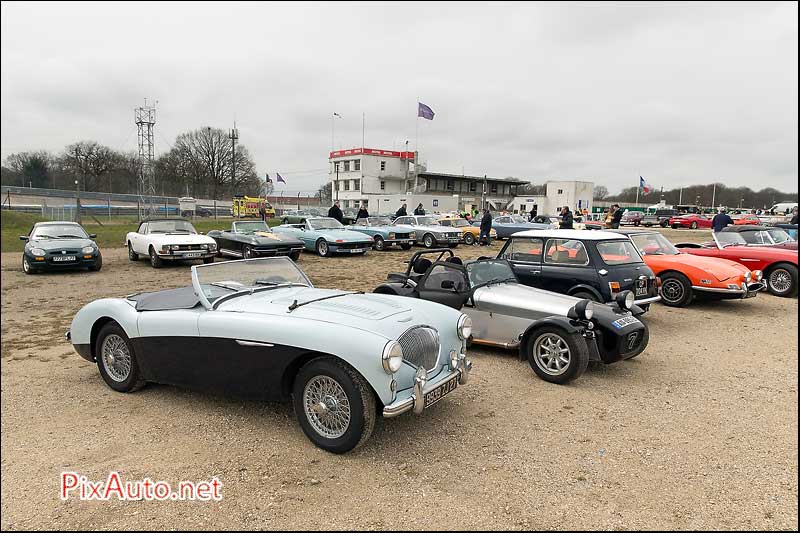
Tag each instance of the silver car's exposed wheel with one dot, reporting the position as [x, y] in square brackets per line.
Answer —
[322, 248]
[326, 407]
[428, 241]
[247, 252]
[556, 355]
[379, 245]
[116, 358]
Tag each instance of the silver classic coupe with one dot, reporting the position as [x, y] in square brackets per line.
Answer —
[259, 328]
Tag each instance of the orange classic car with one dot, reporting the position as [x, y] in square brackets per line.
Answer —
[685, 277]
[469, 233]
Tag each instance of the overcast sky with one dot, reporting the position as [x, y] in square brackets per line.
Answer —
[679, 93]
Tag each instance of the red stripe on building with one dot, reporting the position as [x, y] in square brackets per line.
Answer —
[371, 151]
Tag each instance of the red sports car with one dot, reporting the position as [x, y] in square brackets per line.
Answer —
[764, 236]
[692, 220]
[746, 219]
[778, 264]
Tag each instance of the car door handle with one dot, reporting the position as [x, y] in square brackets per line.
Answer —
[254, 343]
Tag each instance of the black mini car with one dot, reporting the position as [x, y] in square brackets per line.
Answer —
[59, 246]
[596, 265]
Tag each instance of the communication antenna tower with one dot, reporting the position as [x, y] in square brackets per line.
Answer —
[145, 118]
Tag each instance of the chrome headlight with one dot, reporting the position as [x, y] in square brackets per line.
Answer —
[412, 235]
[464, 327]
[204, 247]
[758, 275]
[392, 357]
[87, 250]
[625, 299]
[584, 309]
[212, 246]
[37, 251]
[747, 277]
[175, 247]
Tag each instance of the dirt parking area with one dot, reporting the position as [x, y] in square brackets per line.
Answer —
[699, 432]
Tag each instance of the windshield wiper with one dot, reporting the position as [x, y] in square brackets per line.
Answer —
[70, 237]
[295, 305]
[496, 282]
[229, 287]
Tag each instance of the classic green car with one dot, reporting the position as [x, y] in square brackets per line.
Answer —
[253, 238]
[59, 246]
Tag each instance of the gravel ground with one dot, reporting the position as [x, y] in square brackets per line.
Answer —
[699, 432]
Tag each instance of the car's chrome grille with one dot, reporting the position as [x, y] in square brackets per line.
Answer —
[421, 346]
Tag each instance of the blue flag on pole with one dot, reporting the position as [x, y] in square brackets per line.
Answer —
[424, 111]
[279, 178]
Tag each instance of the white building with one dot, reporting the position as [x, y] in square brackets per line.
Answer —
[358, 174]
[576, 194]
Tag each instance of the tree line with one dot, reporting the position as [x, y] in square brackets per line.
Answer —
[200, 164]
[703, 194]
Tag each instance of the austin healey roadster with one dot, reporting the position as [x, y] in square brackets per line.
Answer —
[556, 333]
[258, 328]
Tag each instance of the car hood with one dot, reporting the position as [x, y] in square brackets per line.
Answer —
[520, 300]
[263, 237]
[342, 234]
[720, 269]
[60, 244]
[180, 238]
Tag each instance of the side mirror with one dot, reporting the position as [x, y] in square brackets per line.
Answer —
[23, 237]
[93, 235]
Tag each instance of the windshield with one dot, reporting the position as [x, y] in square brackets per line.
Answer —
[222, 279]
[725, 238]
[250, 227]
[618, 252]
[170, 226]
[324, 223]
[59, 231]
[455, 222]
[519, 219]
[379, 221]
[489, 270]
[427, 221]
[779, 236]
[654, 244]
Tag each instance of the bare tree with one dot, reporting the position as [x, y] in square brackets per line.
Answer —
[91, 163]
[600, 192]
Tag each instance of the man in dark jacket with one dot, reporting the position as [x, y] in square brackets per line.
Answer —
[335, 212]
[617, 216]
[721, 220]
[402, 211]
[362, 212]
[534, 212]
[566, 218]
[419, 210]
[486, 228]
[794, 216]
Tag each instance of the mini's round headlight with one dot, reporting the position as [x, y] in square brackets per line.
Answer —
[758, 275]
[392, 357]
[464, 327]
[37, 251]
[748, 276]
[87, 249]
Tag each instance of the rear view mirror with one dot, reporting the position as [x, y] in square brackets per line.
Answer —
[23, 237]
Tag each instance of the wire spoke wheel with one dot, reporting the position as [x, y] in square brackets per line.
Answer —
[326, 407]
[552, 354]
[780, 280]
[116, 358]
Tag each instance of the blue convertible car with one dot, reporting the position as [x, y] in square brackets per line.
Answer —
[327, 236]
[384, 233]
[507, 225]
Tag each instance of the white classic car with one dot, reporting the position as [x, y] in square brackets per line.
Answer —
[169, 239]
[258, 328]
[429, 232]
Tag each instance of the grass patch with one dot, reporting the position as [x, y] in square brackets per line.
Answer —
[111, 234]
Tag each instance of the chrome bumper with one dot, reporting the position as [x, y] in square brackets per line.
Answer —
[751, 288]
[416, 401]
[648, 300]
[179, 254]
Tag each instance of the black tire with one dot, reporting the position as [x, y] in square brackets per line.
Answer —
[469, 239]
[675, 226]
[97, 264]
[664, 223]
[322, 248]
[405, 246]
[645, 342]
[585, 295]
[294, 256]
[578, 352]
[208, 260]
[134, 380]
[777, 277]
[133, 256]
[247, 252]
[379, 244]
[676, 289]
[428, 241]
[359, 395]
[155, 261]
[693, 225]
[26, 266]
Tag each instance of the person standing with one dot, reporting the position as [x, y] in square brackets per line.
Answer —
[721, 220]
[608, 216]
[336, 212]
[419, 210]
[616, 218]
[486, 228]
[402, 211]
[262, 212]
[794, 216]
[534, 212]
[362, 212]
[566, 218]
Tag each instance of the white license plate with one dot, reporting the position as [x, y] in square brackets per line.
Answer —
[59, 258]
[440, 392]
[625, 321]
[356, 250]
[192, 254]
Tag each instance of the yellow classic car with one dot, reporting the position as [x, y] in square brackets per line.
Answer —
[469, 233]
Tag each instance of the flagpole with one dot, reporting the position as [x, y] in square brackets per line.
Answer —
[363, 129]
[416, 133]
[638, 186]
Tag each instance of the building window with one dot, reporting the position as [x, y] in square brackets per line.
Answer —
[383, 165]
[450, 185]
[347, 166]
[347, 185]
[560, 191]
[345, 204]
[336, 166]
[472, 186]
[383, 184]
[356, 185]
[357, 164]
[494, 187]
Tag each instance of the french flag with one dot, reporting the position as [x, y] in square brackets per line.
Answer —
[643, 185]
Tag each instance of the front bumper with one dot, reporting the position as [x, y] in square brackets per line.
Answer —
[449, 240]
[749, 291]
[349, 247]
[187, 254]
[47, 262]
[272, 252]
[416, 401]
[648, 301]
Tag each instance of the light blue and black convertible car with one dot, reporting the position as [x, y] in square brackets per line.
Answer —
[258, 328]
[384, 233]
[507, 225]
[327, 236]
